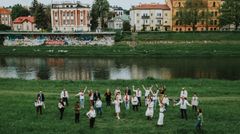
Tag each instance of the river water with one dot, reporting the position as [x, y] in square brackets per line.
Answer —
[118, 68]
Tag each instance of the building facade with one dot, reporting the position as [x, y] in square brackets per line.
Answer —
[151, 17]
[24, 23]
[5, 17]
[209, 24]
[117, 22]
[70, 17]
[117, 11]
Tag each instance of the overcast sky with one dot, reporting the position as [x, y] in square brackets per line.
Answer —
[126, 4]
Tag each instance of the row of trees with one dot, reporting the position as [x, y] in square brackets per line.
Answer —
[196, 11]
[41, 13]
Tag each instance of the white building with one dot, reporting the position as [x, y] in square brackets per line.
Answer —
[117, 22]
[24, 23]
[70, 17]
[151, 17]
[5, 17]
[118, 11]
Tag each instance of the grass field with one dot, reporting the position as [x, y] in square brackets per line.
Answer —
[219, 100]
[159, 50]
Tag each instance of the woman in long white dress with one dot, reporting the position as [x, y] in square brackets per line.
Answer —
[117, 102]
[150, 111]
[161, 114]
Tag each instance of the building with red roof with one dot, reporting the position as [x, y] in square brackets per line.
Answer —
[5, 17]
[151, 17]
[25, 23]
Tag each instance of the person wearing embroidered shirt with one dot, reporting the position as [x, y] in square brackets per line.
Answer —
[108, 95]
[117, 103]
[91, 115]
[99, 106]
[42, 98]
[183, 107]
[134, 101]
[161, 114]
[61, 107]
[184, 93]
[138, 93]
[64, 96]
[165, 101]
[150, 111]
[38, 104]
[199, 120]
[147, 92]
[126, 100]
[194, 102]
[91, 97]
[155, 97]
[81, 97]
[77, 112]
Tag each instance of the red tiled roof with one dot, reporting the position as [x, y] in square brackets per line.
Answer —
[24, 18]
[152, 6]
[4, 11]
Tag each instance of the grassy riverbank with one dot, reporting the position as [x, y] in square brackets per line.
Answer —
[219, 100]
[159, 50]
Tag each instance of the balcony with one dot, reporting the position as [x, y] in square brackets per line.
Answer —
[145, 17]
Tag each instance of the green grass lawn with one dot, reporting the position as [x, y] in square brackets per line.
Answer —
[159, 50]
[219, 100]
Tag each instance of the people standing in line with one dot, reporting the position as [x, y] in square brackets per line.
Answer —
[183, 107]
[147, 92]
[38, 104]
[99, 106]
[126, 100]
[134, 101]
[155, 97]
[41, 96]
[165, 101]
[91, 97]
[117, 103]
[149, 113]
[199, 123]
[64, 96]
[96, 95]
[184, 93]
[81, 97]
[61, 107]
[161, 114]
[108, 96]
[138, 93]
[91, 114]
[194, 102]
[77, 112]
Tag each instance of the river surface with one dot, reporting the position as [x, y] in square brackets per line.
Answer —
[118, 68]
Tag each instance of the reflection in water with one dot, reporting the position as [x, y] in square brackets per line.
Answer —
[118, 68]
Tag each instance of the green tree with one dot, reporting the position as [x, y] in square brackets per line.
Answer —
[100, 8]
[4, 27]
[126, 26]
[34, 6]
[18, 10]
[40, 17]
[192, 13]
[230, 13]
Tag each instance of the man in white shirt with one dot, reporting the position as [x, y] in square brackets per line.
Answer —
[138, 93]
[91, 115]
[184, 93]
[64, 96]
[194, 102]
[134, 101]
[183, 107]
[99, 106]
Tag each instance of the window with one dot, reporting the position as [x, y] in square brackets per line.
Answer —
[67, 13]
[165, 21]
[159, 14]
[216, 13]
[215, 22]
[138, 21]
[214, 4]
[137, 14]
[166, 14]
[176, 29]
[64, 22]
[71, 13]
[151, 14]
[152, 21]
[179, 4]
[211, 22]
[159, 22]
[189, 29]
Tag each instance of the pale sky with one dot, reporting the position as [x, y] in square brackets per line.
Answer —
[126, 4]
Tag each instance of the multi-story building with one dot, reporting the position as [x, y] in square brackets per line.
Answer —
[25, 23]
[209, 23]
[70, 17]
[117, 11]
[5, 17]
[151, 17]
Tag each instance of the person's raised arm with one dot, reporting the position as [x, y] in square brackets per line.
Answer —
[133, 87]
[85, 89]
[144, 87]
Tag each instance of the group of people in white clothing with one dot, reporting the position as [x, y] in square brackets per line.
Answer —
[152, 100]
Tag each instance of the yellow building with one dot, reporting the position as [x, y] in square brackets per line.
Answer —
[213, 7]
[151, 17]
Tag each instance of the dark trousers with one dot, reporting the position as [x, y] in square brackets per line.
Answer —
[65, 100]
[77, 117]
[92, 121]
[108, 102]
[184, 113]
[139, 101]
[61, 113]
[135, 107]
[194, 108]
[39, 109]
